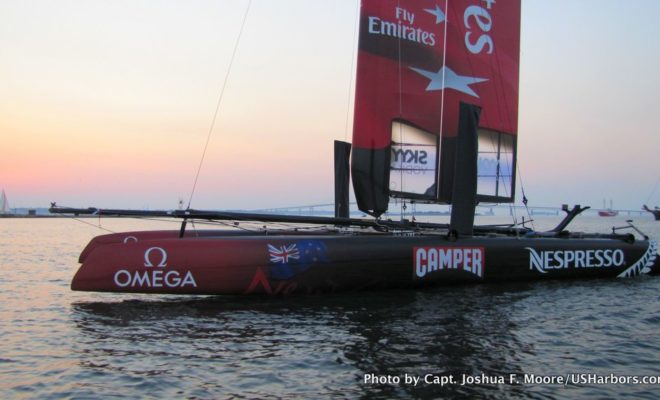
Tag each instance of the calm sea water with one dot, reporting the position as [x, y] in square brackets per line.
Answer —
[55, 343]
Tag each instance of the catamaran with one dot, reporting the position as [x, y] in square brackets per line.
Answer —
[436, 121]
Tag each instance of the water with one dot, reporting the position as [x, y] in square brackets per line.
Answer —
[56, 343]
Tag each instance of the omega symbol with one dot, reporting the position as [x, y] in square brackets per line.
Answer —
[163, 257]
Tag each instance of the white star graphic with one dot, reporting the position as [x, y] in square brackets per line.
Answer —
[451, 80]
[437, 11]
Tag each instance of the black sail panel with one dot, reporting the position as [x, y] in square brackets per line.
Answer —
[342, 178]
[465, 171]
[370, 172]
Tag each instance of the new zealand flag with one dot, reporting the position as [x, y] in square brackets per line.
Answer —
[289, 260]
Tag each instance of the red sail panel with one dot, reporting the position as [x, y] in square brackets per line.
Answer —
[417, 60]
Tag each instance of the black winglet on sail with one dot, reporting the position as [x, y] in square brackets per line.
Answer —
[342, 178]
[464, 192]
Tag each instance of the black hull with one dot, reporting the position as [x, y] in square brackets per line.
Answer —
[303, 263]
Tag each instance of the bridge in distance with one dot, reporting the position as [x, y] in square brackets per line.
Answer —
[424, 209]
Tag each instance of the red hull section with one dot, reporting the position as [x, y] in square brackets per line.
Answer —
[141, 236]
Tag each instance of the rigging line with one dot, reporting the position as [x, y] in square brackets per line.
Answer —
[353, 56]
[522, 191]
[217, 107]
[444, 64]
[238, 227]
[401, 138]
[442, 102]
[501, 92]
[90, 224]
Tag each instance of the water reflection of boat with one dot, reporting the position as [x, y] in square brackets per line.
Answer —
[338, 338]
[324, 346]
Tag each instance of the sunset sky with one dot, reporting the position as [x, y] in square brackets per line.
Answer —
[109, 103]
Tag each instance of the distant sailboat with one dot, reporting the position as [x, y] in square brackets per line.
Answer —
[4, 204]
[608, 212]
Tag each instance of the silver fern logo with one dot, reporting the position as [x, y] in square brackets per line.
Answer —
[644, 264]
